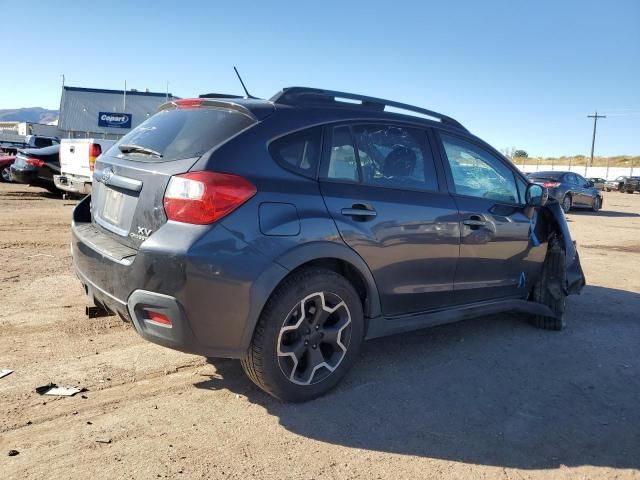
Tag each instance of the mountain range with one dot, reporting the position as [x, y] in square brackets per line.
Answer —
[32, 114]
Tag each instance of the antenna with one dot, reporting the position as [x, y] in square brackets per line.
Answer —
[245, 88]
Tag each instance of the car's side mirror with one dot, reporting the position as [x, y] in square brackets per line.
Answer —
[590, 184]
[536, 195]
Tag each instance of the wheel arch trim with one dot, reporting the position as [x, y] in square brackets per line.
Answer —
[269, 280]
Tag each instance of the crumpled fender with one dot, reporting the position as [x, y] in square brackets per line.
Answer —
[575, 279]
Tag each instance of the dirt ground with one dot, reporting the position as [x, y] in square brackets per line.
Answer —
[489, 398]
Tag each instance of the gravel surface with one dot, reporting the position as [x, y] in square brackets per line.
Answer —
[488, 398]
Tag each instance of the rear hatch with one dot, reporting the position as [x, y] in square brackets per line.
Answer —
[131, 177]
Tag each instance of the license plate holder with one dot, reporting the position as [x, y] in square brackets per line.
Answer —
[113, 206]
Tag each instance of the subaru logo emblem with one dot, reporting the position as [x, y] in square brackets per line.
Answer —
[107, 173]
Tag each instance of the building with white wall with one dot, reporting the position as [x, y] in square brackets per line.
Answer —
[95, 112]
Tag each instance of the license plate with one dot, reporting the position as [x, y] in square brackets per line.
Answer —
[113, 203]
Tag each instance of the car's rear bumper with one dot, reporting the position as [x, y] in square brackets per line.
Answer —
[209, 283]
[73, 184]
[23, 175]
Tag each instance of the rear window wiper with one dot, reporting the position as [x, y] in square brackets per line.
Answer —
[139, 149]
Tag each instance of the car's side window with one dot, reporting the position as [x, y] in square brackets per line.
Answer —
[571, 178]
[477, 173]
[383, 156]
[298, 152]
[343, 164]
[395, 157]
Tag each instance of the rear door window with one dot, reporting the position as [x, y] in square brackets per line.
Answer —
[180, 133]
[382, 155]
[298, 152]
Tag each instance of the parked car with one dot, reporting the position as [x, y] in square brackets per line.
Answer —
[285, 232]
[597, 182]
[570, 189]
[28, 141]
[77, 160]
[5, 164]
[36, 167]
[631, 184]
[616, 184]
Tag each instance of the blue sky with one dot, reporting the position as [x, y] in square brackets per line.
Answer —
[516, 73]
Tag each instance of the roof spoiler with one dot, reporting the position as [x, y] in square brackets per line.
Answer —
[304, 96]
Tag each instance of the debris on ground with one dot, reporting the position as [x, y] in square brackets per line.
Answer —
[5, 371]
[53, 389]
[103, 440]
[13, 453]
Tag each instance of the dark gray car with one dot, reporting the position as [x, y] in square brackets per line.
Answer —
[570, 189]
[285, 232]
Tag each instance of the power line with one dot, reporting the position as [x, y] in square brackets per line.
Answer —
[593, 140]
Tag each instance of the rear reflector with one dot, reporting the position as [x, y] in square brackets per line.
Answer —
[205, 197]
[159, 318]
[36, 162]
[551, 184]
[94, 152]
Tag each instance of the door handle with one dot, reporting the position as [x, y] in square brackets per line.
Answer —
[475, 222]
[359, 210]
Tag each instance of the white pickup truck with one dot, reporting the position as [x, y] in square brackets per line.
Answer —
[77, 159]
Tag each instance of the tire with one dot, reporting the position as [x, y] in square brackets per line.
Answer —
[5, 175]
[567, 203]
[549, 290]
[289, 358]
[597, 204]
[53, 190]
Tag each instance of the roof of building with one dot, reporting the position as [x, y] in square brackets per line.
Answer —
[118, 92]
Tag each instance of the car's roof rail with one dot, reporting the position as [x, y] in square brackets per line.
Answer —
[304, 95]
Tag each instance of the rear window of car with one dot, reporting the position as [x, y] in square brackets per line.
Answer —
[180, 133]
[298, 152]
[553, 175]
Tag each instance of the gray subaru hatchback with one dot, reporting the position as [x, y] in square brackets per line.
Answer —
[284, 232]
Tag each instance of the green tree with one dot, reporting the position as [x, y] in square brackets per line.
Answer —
[520, 154]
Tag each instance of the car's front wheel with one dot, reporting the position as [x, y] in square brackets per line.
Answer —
[308, 336]
[550, 288]
[597, 204]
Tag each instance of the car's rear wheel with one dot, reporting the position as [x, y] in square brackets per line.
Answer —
[597, 204]
[567, 203]
[308, 336]
[550, 289]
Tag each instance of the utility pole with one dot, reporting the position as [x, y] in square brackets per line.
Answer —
[593, 140]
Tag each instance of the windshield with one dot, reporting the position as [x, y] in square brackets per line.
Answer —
[180, 133]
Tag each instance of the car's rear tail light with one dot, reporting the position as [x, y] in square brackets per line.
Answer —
[551, 184]
[94, 152]
[189, 103]
[205, 197]
[158, 318]
[36, 162]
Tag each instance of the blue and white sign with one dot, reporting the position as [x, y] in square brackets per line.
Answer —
[114, 120]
